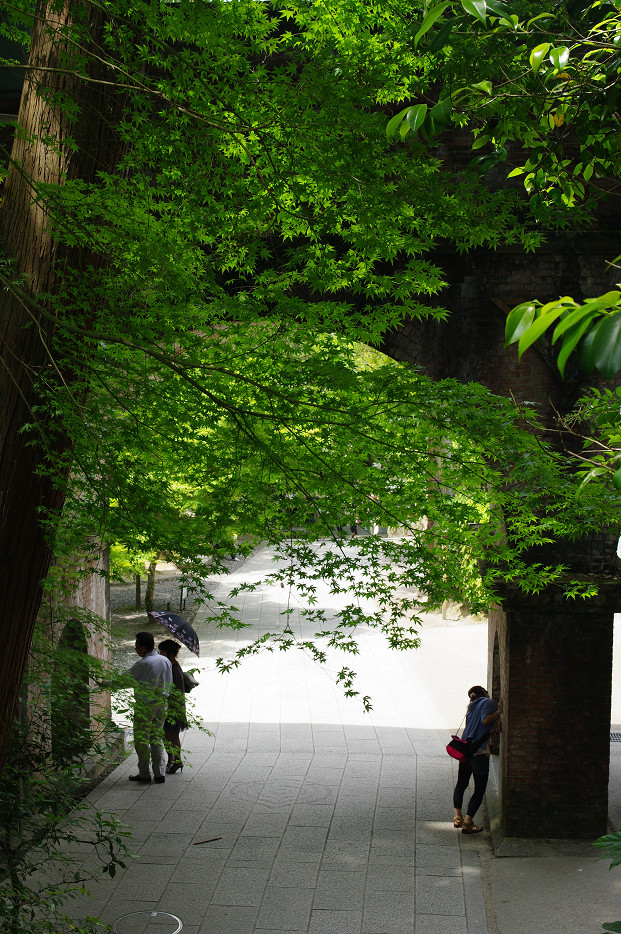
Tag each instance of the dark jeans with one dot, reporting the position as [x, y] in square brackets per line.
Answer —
[479, 767]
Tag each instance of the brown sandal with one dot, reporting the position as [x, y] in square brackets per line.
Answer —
[471, 828]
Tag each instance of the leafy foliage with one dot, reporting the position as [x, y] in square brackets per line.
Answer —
[258, 226]
[52, 842]
[546, 79]
[611, 844]
[592, 328]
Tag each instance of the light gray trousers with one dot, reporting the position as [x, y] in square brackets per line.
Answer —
[149, 739]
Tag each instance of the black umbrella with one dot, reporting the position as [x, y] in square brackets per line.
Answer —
[178, 627]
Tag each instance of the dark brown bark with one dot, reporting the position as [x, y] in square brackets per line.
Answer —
[40, 154]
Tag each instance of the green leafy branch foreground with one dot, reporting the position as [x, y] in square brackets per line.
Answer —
[53, 841]
[202, 216]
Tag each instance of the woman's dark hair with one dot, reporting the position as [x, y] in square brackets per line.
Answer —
[477, 691]
[146, 639]
[169, 647]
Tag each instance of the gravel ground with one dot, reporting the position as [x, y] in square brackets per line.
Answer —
[126, 620]
[167, 591]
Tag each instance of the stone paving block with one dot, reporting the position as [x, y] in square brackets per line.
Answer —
[438, 832]
[395, 842]
[388, 913]
[180, 820]
[390, 873]
[395, 749]
[434, 860]
[400, 778]
[357, 807]
[278, 791]
[312, 815]
[440, 895]
[233, 736]
[285, 909]
[335, 922]
[260, 851]
[186, 900]
[304, 841]
[241, 792]
[351, 826]
[265, 823]
[317, 793]
[287, 873]
[200, 799]
[334, 760]
[241, 886]
[327, 776]
[260, 742]
[359, 731]
[147, 880]
[396, 796]
[432, 924]
[339, 891]
[119, 907]
[346, 856]
[364, 792]
[362, 763]
[296, 737]
[231, 810]
[395, 819]
[289, 763]
[198, 869]
[364, 746]
[119, 800]
[159, 848]
[222, 836]
[257, 764]
[220, 919]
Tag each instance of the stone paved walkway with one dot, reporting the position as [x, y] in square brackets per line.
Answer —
[301, 813]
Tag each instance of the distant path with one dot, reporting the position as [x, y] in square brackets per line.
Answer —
[329, 820]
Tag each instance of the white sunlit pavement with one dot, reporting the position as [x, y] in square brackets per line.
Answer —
[303, 813]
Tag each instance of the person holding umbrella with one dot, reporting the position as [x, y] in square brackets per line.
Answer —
[176, 720]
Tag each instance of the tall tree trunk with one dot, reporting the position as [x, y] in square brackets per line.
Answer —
[40, 155]
[150, 588]
[138, 600]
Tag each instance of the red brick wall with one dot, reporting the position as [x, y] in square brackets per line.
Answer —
[555, 672]
[483, 286]
[554, 658]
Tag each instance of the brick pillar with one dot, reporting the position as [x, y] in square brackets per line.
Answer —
[553, 658]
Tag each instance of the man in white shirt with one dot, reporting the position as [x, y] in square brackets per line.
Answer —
[154, 671]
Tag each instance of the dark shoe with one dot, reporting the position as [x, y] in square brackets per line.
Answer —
[471, 828]
[177, 767]
[139, 778]
[159, 779]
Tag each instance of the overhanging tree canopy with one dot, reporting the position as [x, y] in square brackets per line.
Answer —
[202, 212]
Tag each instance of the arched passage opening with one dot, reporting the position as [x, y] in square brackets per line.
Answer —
[70, 709]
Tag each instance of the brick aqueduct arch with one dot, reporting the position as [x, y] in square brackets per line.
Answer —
[551, 659]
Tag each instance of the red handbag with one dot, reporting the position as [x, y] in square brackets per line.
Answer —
[458, 748]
